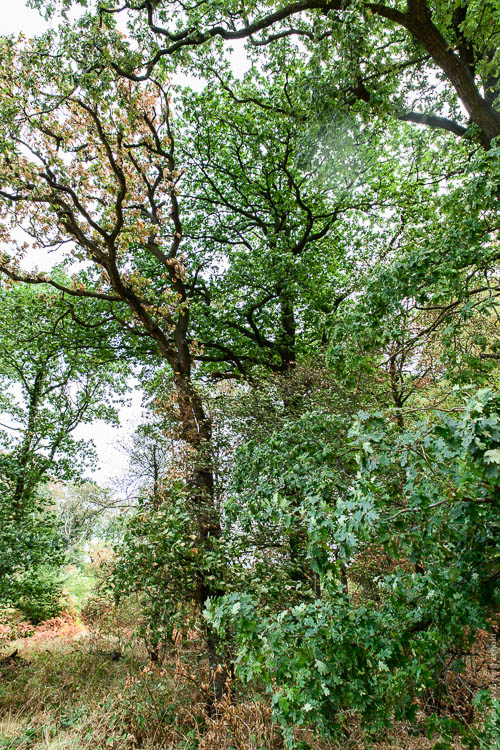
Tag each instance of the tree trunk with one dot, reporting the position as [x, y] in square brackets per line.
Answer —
[197, 434]
[22, 482]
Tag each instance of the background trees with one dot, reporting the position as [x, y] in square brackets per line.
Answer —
[55, 376]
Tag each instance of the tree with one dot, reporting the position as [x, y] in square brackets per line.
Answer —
[55, 375]
[95, 165]
[85, 512]
[372, 51]
[271, 219]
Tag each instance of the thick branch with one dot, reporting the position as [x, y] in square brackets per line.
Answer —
[26, 279]
[434, 121]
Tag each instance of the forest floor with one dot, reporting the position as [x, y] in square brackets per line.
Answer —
[65, 689]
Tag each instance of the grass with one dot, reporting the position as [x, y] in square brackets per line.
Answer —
[78, 583]
[70, 695]
[67, 693]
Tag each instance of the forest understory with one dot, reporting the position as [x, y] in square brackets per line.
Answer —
[80, 681]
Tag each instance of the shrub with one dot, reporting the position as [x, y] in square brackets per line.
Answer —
[40, 594]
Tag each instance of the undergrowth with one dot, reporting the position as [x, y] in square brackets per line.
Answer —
[71, 686]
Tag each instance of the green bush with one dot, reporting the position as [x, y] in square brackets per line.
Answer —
[40, 594]
[427, 499]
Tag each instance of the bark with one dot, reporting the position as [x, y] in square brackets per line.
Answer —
[418, 22]
[288, 336]
[22, 481]
[395, 384]
[343, 578]
[197, 434]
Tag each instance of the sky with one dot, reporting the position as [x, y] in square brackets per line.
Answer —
[16, 17]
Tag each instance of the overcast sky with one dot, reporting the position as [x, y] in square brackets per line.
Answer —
[16, 17]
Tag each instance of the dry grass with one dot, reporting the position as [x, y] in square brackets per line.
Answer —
[65, 692]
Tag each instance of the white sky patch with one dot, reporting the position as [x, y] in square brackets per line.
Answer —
[111, 442]
[16, 18]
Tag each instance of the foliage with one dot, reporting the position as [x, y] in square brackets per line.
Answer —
[280, 485]
[428, 497]
[272, 207]
[158, 560]
[29, 541]
[429, 308]
[387, 57]
[39, 594]
[55, 375]
[270, 253]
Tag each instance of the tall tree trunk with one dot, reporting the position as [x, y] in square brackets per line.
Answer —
[197, 434]
[22, 482]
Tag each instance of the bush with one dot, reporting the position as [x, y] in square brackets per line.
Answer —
[421, 517]
[40, 594]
